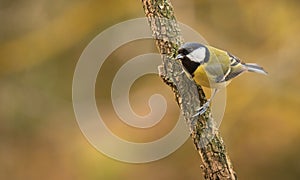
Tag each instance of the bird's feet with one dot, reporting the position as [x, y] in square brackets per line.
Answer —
[181, 72]
[202, 109]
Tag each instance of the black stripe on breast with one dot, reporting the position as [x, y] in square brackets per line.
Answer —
[190, 66]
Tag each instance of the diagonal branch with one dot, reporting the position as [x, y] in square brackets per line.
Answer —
[208, 142]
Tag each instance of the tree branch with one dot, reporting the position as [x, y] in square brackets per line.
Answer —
[208, 142]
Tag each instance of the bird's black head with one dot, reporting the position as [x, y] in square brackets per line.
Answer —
[192, 55]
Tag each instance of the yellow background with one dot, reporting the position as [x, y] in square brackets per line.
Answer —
[40, 44]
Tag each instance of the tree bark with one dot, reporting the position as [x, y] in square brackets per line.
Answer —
[189, 96]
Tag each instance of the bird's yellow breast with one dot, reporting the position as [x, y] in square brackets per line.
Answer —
[200, 77]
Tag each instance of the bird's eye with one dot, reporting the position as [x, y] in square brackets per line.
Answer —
[183, 51]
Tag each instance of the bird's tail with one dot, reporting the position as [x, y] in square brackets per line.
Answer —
[251, 67]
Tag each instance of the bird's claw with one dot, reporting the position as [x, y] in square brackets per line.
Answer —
[181, 72]
[202, 109]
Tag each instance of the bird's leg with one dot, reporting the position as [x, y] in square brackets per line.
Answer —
[183, 71]
[204, 107]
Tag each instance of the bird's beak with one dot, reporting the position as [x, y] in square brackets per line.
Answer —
[179, 56]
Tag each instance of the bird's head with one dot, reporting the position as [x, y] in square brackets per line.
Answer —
[195, 52]
[192, 55]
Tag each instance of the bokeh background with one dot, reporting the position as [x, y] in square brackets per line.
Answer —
[41, 41]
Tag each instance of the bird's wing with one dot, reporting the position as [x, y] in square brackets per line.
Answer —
[218, 64]
[236, 68]
[222, 78]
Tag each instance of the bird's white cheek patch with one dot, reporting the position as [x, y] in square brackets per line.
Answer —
[198, 55]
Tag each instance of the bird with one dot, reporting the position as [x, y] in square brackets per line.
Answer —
[212, 67]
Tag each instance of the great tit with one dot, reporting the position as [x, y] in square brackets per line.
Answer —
[212, 67]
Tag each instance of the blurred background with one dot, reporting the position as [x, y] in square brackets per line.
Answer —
[41, 42]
